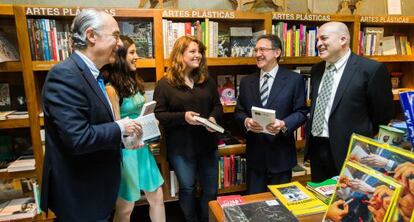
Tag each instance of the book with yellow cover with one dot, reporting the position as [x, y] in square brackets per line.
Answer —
[297, 198]
[387, 160]
[363, 194]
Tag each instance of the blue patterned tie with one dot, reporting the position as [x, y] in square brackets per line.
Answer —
[264, 89]
[322, 101]
[102, 84]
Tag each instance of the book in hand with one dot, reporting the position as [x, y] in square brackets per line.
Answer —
[264, 117]
[297, 198]
[150, 130]
[229, 200]
[18, 209]
[148, 108]
[22, 163]
[262, 211]
[207, 123]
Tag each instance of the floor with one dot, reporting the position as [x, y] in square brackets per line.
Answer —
[172, 212]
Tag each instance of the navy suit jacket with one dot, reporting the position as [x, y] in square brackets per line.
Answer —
[81, 171]
[287, 96]
[362, 102]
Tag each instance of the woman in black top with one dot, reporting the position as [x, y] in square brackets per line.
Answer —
[184, 93]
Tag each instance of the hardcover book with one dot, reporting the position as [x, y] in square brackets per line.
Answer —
[263, 211]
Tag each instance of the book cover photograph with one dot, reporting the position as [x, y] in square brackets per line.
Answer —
[365, 194]
[226, 89]
[297, 198]
[381, 157]
[141, 33]
[263, 211]
[8, 51]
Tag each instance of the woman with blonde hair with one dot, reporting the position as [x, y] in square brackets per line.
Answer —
[184, 93]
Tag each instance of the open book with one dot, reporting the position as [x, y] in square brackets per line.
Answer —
[207, 123]
[264, 117]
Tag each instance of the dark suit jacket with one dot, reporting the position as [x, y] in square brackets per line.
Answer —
[81, 171]
[287, 96]
[362, 102]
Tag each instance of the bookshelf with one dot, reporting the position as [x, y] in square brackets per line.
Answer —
[33, 72]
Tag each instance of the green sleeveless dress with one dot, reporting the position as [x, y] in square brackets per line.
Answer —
[139, 169]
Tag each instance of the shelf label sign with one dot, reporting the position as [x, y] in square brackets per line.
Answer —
[198, 14]
[385, 19]
[50, 11]
[301, 17]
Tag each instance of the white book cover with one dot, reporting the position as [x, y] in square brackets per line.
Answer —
[207, 123]
[149, 126]
[18, 209]
[148, 108]
[264, 117]
[23, 163]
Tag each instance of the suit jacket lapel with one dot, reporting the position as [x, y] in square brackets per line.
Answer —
[278, 84]
[349, 72]
[91, 81]
[255, 88]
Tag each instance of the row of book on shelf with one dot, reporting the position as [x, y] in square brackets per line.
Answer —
[232, 171]
[50, 38]
[220, 39]
[372, 41]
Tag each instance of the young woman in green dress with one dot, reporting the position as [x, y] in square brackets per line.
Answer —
[139, 169]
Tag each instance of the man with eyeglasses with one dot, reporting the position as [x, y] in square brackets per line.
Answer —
[270, 158]
[81, 170]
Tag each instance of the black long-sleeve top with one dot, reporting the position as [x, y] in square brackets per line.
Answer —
[172, 103]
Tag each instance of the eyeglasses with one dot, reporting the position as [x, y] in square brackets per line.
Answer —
[116, 35]
[262, 49]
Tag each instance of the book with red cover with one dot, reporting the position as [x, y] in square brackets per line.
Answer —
[230, 200]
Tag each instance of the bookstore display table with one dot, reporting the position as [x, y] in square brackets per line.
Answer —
[216, 213]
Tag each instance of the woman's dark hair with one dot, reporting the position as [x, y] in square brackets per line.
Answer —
[125, 82]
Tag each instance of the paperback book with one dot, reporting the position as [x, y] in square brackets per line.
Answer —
[368, 195]
[264, 117]
[230, 200]
[18, 209]
[297, 198]
[207, 123]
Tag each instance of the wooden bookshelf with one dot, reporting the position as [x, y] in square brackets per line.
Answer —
[232, 189]
[33, 71]
[235, 149]
[14, 123]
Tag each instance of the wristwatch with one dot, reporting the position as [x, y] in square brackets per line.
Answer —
[284, 129]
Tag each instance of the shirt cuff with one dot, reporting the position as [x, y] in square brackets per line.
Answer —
[121, 127]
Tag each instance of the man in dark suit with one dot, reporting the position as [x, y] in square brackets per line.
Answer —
[270, 158]
[349, 94]
[81, 172]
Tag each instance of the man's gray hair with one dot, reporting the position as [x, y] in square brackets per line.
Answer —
[84, 20]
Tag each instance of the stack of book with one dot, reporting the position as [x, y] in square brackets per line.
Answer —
[323, 190]
[298, 199]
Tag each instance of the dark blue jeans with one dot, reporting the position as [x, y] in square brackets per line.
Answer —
[205, 169]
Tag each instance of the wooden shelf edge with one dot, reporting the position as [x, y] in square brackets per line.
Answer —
[232, 149]
[14, 123]
[392, 58]
[6, 9]
[14, 66]
[20, 174]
